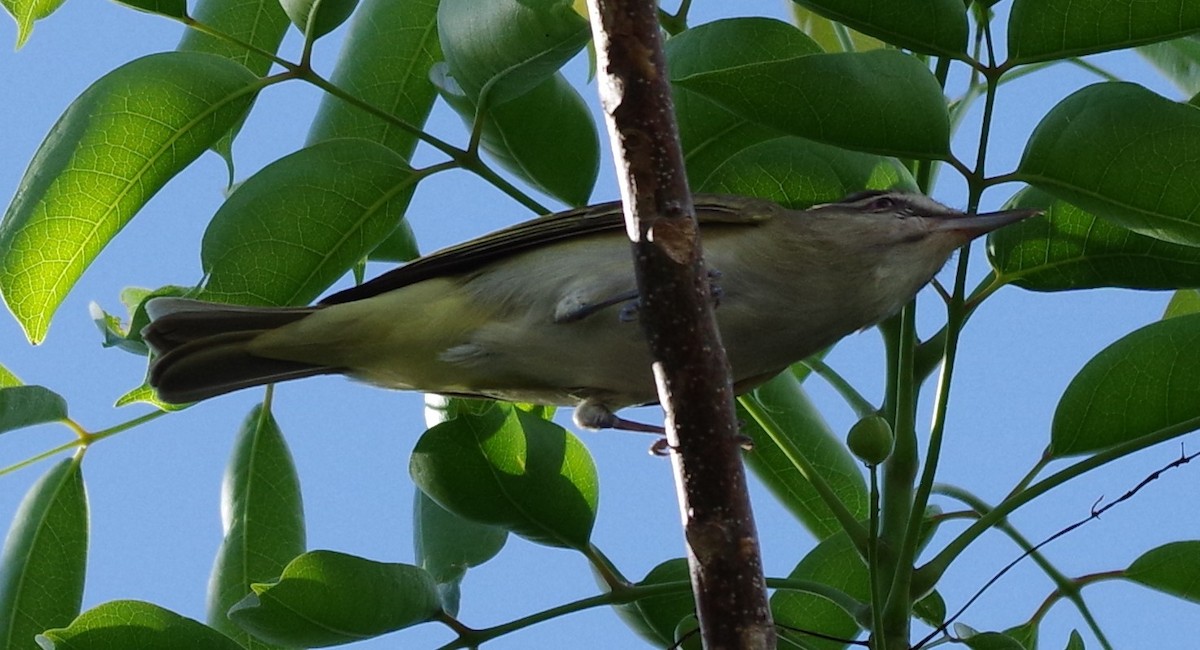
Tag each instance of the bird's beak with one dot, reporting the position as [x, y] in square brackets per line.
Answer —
[972, 226]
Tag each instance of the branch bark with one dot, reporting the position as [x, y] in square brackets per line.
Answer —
[676, 313]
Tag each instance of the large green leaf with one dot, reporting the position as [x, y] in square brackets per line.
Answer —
[1067, 248]
[1040, 30]
[295, 227]
[1146, 381]
[926, 26]
[27, 12]
[325, 598]
[44, 560]
[261, 23]
[512, 469]
[881, 101]
[1183, 302]
[826, 33]
[799, 173]
[1172, 568]
[446, 545]
[262, 516]
[1178, 60]
[25, 406]
[1125, 154]
[116, 145]
[656, 618]
[134, 625]
[790, 412]
[836, 563]
[508, 46]
[316, 18]
[384, 62]
[546, 136]
[709, 133]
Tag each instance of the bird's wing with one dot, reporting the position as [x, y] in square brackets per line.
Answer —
[543, 231]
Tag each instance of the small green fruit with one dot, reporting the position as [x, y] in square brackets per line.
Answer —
[871, 439]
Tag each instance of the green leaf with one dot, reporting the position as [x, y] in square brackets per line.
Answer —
[316, 18]
[262, 516]
[116, 145]
[44, 560]
[1075, 642]
[508, 47]
[384, 62]
[1183, 302]
[1042, 30]
[1177, 60]
[132, 624]
[1146, 381]
[296, 226]
[882, 101]
[790, 411]
[261, 23]
[709, 133]
[325, 598]
[1068, 248]
[546, 136]
[26, 406]
[129, 337]
[656, 618]
[1124, 154]
[446, 545]
[144, 394]
[8, 379]
[399, 246]
[1026, 635]
[27, 12]
[171, 8]
[836, 563]
[1171, 568]
[799, 173]
[512, 469]
[824, 31]
[925, 26]
[992, 641]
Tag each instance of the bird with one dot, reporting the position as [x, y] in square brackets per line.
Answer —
[543, 311]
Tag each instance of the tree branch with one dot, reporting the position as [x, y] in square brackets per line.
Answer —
[677, 316]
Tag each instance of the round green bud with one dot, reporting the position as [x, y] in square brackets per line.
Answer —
[871, 439]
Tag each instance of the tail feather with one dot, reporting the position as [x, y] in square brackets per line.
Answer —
[201, 348]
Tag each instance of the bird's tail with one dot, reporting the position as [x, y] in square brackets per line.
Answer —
[201, 349]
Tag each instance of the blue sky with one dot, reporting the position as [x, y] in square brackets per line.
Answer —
[154, 490]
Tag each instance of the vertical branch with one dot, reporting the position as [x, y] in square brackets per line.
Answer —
[676, 314]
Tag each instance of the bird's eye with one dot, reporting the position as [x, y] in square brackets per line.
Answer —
[881, 204]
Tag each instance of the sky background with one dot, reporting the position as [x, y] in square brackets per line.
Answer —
[154, 491]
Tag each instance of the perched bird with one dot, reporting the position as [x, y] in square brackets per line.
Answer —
[540, 312]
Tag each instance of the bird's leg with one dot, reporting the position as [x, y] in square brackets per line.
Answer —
[594, 415]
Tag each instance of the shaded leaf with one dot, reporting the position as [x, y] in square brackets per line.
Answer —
[1124, 154]
[172, 8]
[116, 145]
[262, 517]
[26, 406]
[1042, 30]
[129, 337]
[44, 560]
[545, 136]
[926, 26]
[790, 411]
[130, 624]
[26, 13]
[446, 545]
[325, 598]
[1075, 642]
[1146, 381]
[992, 641]
[512, 469]
[882, 101]
[657, 618]
[385, 62]
[1177, 60]
[316, 18]
[1068, 248]
[295, 227]
[799, 173]
[1171, 568]
[825, 32]
[508, 47]
[708, 132]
